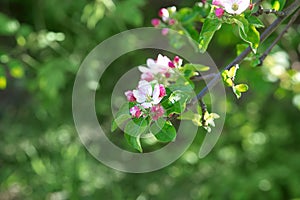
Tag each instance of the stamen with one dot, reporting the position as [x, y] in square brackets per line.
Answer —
[235, 7]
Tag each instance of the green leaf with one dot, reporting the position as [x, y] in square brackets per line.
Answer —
[190, 115]
[242, 87]
[134, 142]
[237, 93]
[252, 37]
[163, 131]
[278, 4]
[133, 130]
[243, 25]
[232, 71]
[121, 116]
[176, 102]
[210, 26]
[239, 89]
[255, 21]
[136, 127]
[8, 26]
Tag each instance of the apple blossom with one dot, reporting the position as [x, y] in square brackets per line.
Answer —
[146, 95]
[130, 96]
[235, 6]
[135, 111]
[157, 112]
[154, 67]
[164, 14]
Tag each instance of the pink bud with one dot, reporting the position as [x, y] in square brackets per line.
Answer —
[219, 12]
[167, 75]
[171, 64]
[157, 111]
[172, 22]
[155, 22]
[216, 2]
[135, 111]
[251, 6]
[162, 90]
[176, 59]
[165, 31]
[163, 12]
[130, 96]
[204, 1]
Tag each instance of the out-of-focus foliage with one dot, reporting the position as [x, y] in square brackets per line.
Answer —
[42, 44]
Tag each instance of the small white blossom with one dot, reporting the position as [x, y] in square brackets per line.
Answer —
[235, 6]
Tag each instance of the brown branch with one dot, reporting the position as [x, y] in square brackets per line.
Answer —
[290, 23]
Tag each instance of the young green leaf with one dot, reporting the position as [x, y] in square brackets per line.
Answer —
[252, 37]
[278, 4]
[210, 26]
[121, 116]
[133, 130]
[243, 25]
[242, 87]
[134, 142]
[255, 21]
[163, 132]
[239, 89]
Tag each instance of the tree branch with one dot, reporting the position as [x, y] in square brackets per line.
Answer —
[265, 54]
[287, 12]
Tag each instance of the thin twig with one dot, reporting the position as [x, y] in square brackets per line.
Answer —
[288, 11]
[267, 52]
[203, 110]
[203, 77]
[262, 11]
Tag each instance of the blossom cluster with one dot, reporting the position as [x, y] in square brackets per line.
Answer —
[165, 19]
[235, 7]
[151, 88]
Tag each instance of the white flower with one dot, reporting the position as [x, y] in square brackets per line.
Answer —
[146, 95]
[159, 66]
[235, 6]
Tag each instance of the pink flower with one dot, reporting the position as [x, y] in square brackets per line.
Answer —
[219, 12]
[155, 22]
[129, 95]
[162, 90]
[135, 111]
[217, 2]
[165, 31]
[172, 22]
[164, 14]
[157, 112]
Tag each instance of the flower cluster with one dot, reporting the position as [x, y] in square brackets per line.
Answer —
[152, 87]
[235, 7]
[165, 19]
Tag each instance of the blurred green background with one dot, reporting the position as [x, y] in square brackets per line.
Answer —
[42, 44]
